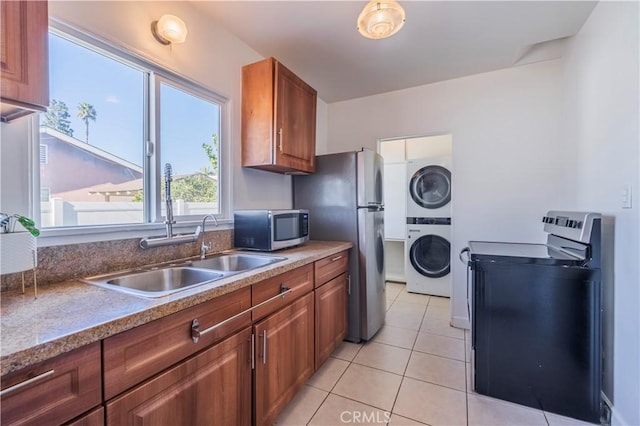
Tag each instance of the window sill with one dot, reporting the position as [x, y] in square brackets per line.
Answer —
[50, 237]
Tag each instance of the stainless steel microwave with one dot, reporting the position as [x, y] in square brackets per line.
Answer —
[268, 230]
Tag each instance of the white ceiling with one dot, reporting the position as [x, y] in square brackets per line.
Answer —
[440, 40]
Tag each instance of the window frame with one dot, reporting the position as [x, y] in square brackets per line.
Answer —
[158, 165]
[153, 221]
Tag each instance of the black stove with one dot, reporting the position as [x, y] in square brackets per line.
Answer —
[536, 318]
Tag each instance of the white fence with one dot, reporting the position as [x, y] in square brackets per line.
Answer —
[58, 212]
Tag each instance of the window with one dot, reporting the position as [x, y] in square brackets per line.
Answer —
[113, 122]
[191, 150]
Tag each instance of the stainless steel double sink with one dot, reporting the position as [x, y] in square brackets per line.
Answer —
[163, 280]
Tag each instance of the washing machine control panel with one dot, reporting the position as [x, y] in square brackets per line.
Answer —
[428, 221]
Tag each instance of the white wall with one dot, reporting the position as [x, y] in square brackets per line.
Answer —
[602, 114]
[15, 183]
[322, 118]
[507, 150]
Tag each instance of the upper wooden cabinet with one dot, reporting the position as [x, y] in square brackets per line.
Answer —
[278, 119]
[24, 53]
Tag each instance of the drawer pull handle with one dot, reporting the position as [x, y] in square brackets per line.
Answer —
[196, 333]
[280, 134]
[253, 351]
[27, 382]
[336, 258]
[264, 347]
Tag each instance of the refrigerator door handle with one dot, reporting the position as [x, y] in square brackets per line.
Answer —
[373, 206]
[464, 250]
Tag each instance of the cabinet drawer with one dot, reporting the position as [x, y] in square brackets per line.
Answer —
[300, 281]
[330, 267]
[59, 389]
[135, 355]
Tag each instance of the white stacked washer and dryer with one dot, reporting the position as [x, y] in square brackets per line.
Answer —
[428, 243]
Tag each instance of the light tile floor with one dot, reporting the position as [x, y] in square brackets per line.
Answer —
[415, 371]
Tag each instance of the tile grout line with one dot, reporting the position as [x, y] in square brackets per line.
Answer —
[438, 355]
[407, 365]
[335, 384]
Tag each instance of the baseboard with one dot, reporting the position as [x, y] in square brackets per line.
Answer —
[461, 322]
[395, 278]
[616, 418]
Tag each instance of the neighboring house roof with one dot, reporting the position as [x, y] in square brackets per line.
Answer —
[125, 188]
[89, 148]
[107, 190]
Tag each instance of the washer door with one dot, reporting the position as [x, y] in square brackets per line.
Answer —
[430, 255]
[430, 187]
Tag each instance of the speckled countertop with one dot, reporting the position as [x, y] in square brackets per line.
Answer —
[72, 314]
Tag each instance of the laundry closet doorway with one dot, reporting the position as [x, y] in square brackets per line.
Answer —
[404, 175]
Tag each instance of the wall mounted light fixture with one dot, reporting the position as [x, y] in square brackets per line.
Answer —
[169, 29]
[381, 19]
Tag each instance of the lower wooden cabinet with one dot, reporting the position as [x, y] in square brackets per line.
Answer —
[285, 357]
[159, 374]
[54, 391]
[212, 388]
[331, 317]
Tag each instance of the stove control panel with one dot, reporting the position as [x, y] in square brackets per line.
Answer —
[563, 221]
[573, 225]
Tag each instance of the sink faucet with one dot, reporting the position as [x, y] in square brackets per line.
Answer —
[167, 199]
[206, 247]
[171, 239]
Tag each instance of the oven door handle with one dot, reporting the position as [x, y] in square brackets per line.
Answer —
[464, 250]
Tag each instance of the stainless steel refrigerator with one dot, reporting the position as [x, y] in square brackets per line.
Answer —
[344, 199]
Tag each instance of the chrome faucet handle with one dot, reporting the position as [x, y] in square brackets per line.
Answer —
[206, 247]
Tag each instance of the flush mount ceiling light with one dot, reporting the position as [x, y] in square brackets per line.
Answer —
[169, 29]
[380, 19]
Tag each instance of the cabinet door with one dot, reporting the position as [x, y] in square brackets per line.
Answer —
[213, 388]
[295, 122]
[53, 391]
[331, 317]
[24, 56]
[93, 418]
[284, 346]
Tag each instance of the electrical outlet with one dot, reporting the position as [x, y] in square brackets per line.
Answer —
[627, 190]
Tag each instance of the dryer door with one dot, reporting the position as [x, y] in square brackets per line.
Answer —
[430, 187]
[430, 255]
